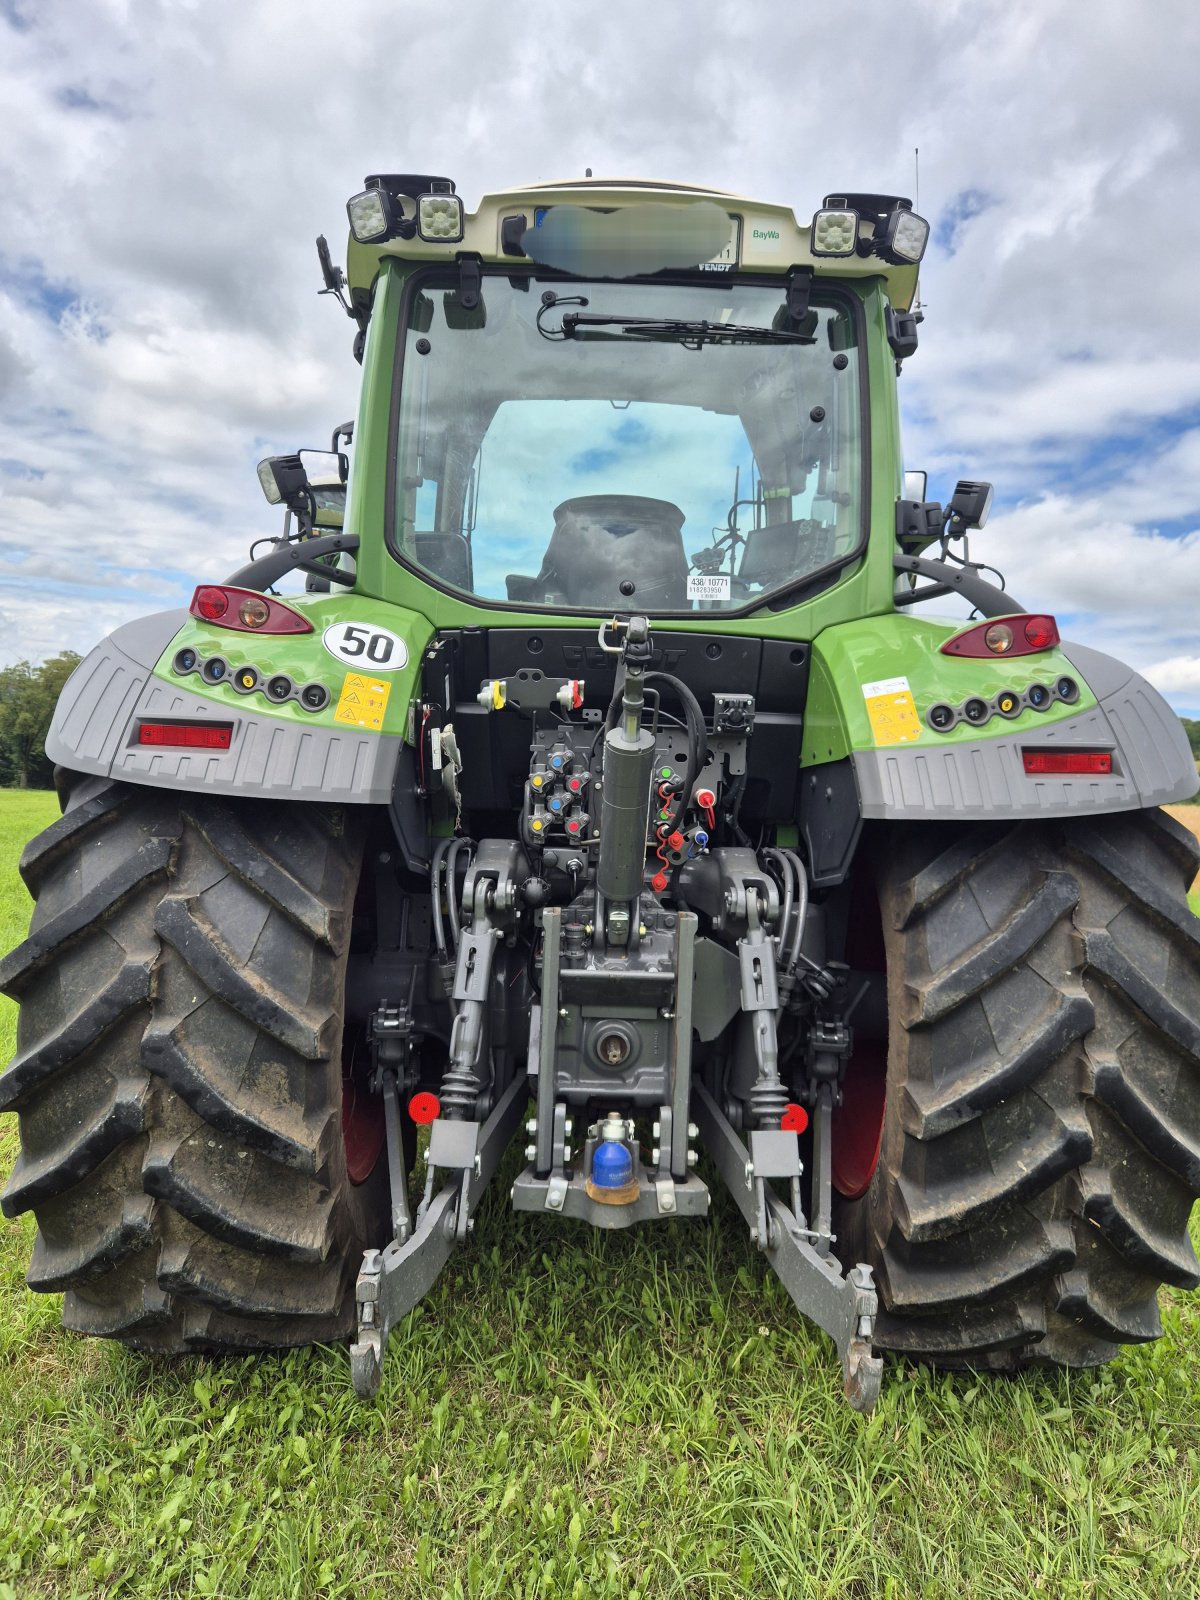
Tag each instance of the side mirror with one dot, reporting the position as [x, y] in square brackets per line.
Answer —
[325, 464]
[916, 485]
[969, 507]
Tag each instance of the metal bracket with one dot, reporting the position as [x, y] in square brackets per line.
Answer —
[393, 1280]
[845, 1307]
[397, 1171]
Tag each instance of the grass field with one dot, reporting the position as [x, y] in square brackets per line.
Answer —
[572, 1415]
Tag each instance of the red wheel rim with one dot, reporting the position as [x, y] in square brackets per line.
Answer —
[857, 1125]
[363, 1127]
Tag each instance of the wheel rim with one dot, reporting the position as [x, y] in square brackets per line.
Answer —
[856, 1127]
[363, 1125]
[857, 1124]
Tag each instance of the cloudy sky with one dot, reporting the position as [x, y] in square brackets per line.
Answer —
[166, 164]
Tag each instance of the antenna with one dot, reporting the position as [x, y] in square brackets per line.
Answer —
[918, 308]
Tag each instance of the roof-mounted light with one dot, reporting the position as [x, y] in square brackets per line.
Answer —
[370, 215]
[440, 218]
[905, 237]
[892, 228]
[834, 233]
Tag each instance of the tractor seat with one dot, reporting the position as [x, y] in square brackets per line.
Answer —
[601, 541]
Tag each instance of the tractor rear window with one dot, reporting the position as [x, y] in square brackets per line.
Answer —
[598, 446]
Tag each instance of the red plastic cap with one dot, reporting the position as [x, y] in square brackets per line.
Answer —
[424, 1107]
[658, 882]
[794, 1119]
[676, 840]
[705, 799]
[1078, 762]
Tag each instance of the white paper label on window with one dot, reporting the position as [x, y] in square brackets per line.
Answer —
[708, 586]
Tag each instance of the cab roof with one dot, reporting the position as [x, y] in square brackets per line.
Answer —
[765, 237]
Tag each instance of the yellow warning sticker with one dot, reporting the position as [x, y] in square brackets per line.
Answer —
[892, 711]
[362, 702]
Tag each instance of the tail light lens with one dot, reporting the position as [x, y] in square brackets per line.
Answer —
[187, 735]
[245, 610]
[1080, 763]
[1011, 636]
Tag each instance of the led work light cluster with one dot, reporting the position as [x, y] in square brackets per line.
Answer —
[277, 687]
[378, 213]
[1008, 703]
[869, 225]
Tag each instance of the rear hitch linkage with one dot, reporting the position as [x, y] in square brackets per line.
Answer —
[464, 1155]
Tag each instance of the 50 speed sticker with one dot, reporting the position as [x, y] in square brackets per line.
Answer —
[363, 645]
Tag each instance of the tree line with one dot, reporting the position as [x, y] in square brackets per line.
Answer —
[27, 698]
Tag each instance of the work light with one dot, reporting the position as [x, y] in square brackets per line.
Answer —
[905, 236]
[282, 478]
[440, 217]
[834, 233]
[370, 215]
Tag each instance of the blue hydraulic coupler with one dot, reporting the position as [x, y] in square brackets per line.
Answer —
[612, 1181]
[612, 1164]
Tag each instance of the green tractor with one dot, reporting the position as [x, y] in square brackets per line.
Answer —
[610, 786]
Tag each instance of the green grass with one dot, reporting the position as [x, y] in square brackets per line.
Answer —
[575, 1415]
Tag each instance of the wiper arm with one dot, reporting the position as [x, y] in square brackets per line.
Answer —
[690, 333]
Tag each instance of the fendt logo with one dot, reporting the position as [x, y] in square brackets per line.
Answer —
[765, 233]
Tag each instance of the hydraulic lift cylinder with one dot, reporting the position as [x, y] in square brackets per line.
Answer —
[624, 813]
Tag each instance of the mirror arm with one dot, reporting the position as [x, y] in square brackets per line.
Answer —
[987, 599]
[286, 557]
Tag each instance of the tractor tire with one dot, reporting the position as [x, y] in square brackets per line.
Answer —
[178, 1074]
[1040, 1148]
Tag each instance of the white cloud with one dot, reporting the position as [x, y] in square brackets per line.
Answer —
[1180, 674]
[179, 216]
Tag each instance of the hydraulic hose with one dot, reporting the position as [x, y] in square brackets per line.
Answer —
[435, 896]
[697, 736]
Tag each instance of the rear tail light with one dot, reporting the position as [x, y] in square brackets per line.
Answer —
[187, 735]
[245, 610]
[1009, 636]
[1083, 763]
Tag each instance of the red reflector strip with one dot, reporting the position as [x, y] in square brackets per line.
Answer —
[187, 735]
[1068, 761]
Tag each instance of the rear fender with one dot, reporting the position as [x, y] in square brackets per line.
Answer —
[347, 751]
[874, 682]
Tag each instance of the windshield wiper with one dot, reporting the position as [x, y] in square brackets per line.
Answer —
[692, 334]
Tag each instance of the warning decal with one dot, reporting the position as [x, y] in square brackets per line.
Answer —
[362, 702]
[892, 711]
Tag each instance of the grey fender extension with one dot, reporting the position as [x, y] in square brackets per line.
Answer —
[112, 688]
[985, 778]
